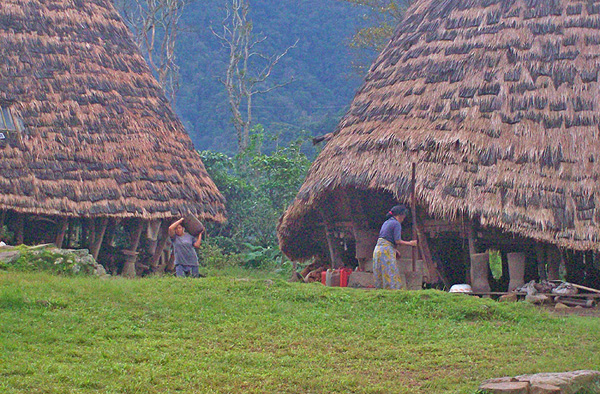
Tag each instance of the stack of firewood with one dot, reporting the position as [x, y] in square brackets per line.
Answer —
[559, 292]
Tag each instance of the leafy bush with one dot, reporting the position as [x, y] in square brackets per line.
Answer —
[211, 255]
[261, 257]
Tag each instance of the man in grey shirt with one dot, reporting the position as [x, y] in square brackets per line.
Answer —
[184, 244]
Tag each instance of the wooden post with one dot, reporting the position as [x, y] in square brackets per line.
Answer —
[333, 255]
[540, 253]
[98, 238]
[413, 203]
[2, 218]
[365, 239]
[162, 242]
[336, 260]
[131, 253]
[20, 228]
[516, 270]
[91, 233]
[554, 259]
[62, 229]
[433, 273]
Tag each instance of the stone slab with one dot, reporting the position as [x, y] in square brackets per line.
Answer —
[505, 388]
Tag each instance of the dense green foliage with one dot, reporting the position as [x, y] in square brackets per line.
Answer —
[226, 334]
[258, 187]
[320, 66]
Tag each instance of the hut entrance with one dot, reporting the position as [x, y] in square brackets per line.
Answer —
[450, 252]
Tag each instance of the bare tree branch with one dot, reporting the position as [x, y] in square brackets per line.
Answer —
[152, 20]
[242, 79]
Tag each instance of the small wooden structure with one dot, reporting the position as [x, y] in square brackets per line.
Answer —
[88, 141]
[496, 103]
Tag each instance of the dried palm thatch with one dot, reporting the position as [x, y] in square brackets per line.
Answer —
[497, 101]
[98, 137]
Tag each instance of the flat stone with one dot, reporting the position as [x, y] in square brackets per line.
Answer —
[567, 382]
[542, 388]
[505, 388]
[560, 305]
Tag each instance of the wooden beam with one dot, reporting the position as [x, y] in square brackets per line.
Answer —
[163, 238]
[540, 253]
[98, 237]
[131, 253]
[62, 229]
[334, 256]
[433, 273]
[413, 208]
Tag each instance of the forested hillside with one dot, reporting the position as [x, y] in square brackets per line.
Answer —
[320, 65]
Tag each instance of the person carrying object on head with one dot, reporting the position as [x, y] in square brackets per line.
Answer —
[385, 270]
[186, 259]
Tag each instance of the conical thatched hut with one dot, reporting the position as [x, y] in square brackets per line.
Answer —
[496, 101]
[86, 131]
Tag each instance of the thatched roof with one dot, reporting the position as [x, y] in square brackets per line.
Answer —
[497, 101]
[99, 137]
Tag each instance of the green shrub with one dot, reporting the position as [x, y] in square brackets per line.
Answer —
[211, 255]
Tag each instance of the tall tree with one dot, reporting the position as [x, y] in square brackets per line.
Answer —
[382, 18]
[155, 25]
[247, 69]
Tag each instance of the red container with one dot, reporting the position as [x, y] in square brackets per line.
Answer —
[344, 275]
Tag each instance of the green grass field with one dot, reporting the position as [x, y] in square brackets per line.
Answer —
[228, 334]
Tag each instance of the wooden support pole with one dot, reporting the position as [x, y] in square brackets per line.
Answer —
[479, 265]
[99, 237]
[131, 253]
[413, 203]
[433, 273]
[20, 228]
[163, 238]
[554, 261]
[336, 260]
[540, 253]
[91, 232]
[62, 229]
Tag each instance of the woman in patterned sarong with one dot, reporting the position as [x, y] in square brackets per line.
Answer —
[385, 269]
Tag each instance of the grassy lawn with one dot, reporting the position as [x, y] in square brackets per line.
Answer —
[226, 334]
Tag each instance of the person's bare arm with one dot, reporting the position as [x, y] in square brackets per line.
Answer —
[173, 226]
[412, 243]
[199, 240]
